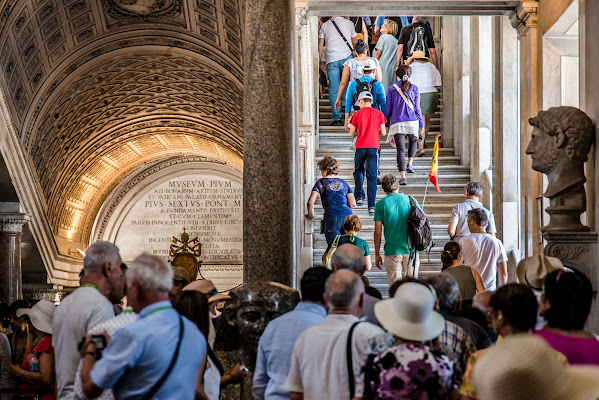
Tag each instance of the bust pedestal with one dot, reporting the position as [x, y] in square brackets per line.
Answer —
[578, 250]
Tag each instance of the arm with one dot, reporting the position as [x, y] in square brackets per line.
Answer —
[352, 130]
[378, 54]
[342, 85]
[44, 377]
[320, 46]
[311, 201]
[367, 262]
[379, 74]
[296, 396]
[354, 40]
[383, 130]
[501, 273]
[480, 287]
[451, 229]
[364, 32]
[433, 53]
[349, 97]
[346, 124]
[399, 56]
[418, 111]
[200, 394]
[378, 229]
[90, 389]
[234, 376]
[380, 96]
[351, 201]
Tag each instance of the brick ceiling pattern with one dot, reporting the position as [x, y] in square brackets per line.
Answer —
[98, 88]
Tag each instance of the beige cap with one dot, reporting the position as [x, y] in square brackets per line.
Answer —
[181, 274]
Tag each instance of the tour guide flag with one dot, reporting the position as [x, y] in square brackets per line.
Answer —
[432, 176]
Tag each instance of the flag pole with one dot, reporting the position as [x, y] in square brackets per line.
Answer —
[424, 198]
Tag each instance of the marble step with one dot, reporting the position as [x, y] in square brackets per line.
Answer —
[435, 218]
[417, 184]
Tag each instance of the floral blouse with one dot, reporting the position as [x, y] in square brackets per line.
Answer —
[407, 371]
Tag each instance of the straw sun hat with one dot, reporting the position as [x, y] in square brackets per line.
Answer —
[532, 271]
[40, 315]
[522, 367]
[409, 314]
[417, 55]
[207, 287]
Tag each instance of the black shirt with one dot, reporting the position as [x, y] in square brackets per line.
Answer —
[404, 38]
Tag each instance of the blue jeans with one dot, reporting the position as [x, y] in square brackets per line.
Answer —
[334, 71]
[366, 159]
[333, 227]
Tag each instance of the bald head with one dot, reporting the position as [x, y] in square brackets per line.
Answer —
[348, 256]
[344, 291]
[482, 302]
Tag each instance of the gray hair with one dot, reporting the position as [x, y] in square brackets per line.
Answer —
[98, 253]
[390, 183]
[343, 289]
[447, 289]
[479, 217]
[152, 273]
[474, 189]
[348, 256]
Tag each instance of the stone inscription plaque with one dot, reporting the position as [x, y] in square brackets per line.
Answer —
[225, 277]
[208, 207]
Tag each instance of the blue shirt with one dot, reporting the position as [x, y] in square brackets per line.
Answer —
[333, 194]
[276, 348]
[380, 20]
[140, 353]
[380, 102]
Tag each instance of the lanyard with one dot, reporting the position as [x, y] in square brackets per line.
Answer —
[92, 286]
[157, 309]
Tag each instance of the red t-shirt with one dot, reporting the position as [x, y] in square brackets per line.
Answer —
[44, 346]
[368, 123]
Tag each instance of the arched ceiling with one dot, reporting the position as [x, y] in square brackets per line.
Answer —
[98, 88]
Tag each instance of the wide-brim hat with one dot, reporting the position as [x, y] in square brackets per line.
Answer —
[40, 315]
[532, 271]
[207, 287]
[409, 314]
[417, 55]
[523, 366]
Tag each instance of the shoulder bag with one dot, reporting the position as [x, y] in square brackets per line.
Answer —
[166, 374]
[350, 361]
[353, 52]
[326, 258]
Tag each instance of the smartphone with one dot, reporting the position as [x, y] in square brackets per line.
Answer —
[99, 341]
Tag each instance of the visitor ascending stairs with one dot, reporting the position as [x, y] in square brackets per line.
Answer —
[335, 141]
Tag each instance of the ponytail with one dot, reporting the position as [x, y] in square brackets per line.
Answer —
[450, 253]
[403, 73]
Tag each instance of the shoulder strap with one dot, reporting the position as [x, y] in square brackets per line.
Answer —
[166, 374]
[403, 96]
[344, 39]
[350, 361]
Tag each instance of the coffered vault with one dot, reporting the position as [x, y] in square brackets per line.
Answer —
[95, 89]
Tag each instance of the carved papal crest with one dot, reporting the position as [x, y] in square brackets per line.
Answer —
[186, 253]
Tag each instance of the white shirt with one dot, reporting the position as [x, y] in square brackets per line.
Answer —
[109, 326]
[482, 252]
[76, 314]
[425, 76]
[319, 362]
[336, 47]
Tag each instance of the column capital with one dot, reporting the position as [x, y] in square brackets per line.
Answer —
[525, 16]
[301, 16]
[13, 222]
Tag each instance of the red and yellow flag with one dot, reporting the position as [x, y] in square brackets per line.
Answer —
[432, 175]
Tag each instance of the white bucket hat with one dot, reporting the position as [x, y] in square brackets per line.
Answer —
[40, 315]
[409, 315]
[523, 367]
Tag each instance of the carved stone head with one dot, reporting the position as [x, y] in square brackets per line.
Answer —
[560, 143]
[252, 307]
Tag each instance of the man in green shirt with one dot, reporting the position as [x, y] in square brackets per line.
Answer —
[392, 212]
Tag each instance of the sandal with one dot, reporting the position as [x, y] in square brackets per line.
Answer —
[420, 153]
[371, 211]
[360, 202]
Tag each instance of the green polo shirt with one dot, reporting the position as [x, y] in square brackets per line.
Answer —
[393, 211]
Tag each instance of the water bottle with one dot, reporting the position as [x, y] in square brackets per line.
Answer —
[34, 363]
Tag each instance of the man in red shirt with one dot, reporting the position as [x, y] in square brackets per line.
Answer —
[368, 124]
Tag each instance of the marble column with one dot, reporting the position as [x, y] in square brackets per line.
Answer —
[270, 198]
[525, 20]
[11, 229]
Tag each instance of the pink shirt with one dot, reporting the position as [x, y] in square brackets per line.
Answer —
[576, 350]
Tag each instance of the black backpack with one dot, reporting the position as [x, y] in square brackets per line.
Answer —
[363, 87]
[417, 40]
[419, 229]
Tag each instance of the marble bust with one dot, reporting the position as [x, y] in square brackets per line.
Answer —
[559, 146]
[251, 308]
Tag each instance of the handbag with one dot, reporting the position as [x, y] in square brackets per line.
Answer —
[166, 374]
[326, 258]
[353, 52]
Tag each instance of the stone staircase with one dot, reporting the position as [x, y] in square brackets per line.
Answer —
[335, 141]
